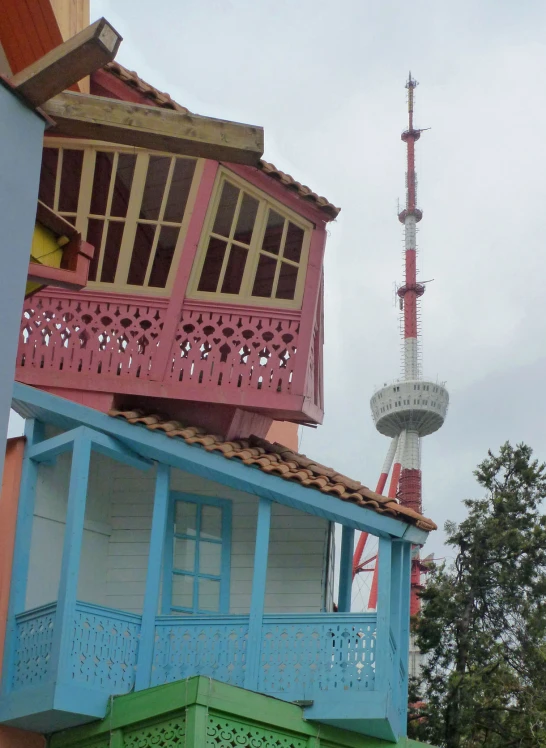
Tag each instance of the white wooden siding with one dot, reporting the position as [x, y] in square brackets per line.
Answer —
[117, 535]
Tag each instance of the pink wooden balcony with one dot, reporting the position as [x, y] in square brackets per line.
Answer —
[259, 359]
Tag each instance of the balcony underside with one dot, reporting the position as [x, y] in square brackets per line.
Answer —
[326, 661]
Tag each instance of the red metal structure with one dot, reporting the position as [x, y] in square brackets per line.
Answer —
[411, 407]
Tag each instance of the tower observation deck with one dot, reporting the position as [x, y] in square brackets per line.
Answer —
[412, 407]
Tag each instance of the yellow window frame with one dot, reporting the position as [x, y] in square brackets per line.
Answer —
[131, 219]
[265, 203]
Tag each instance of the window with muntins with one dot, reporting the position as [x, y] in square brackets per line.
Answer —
[197, 556]
[132, 206]
[253, 249]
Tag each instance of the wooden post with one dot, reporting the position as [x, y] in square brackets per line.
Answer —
[257, 602]
[153, 578]
[197, 717]
[405, 598]
[21, 553]
[72, 546]
[346, 569]
[395, 620]
[382, 656]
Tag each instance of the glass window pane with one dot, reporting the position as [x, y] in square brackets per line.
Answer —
[156, 178]
[212, 266]
[209, 595]
[111, 251]
[122, 185]
[48, 174]
[293, 243]
[273, 233]
[184, 554]
[182, 596]
[94, 237]
[71, 173]
[265, 274]
[180, 189]
[163, 256]
[286, 287]
[234, 270]
[101, 183]
[226, 209]
[144, 239]
[246, 219]
[185, 518]
[210, 558]
[211, 522]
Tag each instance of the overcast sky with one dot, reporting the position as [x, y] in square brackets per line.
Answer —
[326, 80]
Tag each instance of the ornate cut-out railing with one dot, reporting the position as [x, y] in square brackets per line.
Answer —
[251, 357]
[235, 349]
[33, 640]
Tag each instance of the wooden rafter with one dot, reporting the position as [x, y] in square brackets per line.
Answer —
[69, 62]
[125, 123]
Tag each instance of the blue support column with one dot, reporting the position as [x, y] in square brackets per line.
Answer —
[257, 602]
[72, 546]
[346, 569]
[395, 621]
[21, 138]
[153, 577]
[34, 432]
[382, 651]
[405, 597]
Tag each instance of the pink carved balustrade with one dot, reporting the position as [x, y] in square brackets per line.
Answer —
[237, 355]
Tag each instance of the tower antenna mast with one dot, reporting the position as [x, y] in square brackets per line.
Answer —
[412, 407]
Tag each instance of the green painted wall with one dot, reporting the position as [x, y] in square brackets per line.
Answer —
[202, 713]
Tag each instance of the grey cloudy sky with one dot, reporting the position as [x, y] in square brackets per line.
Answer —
[326, 80]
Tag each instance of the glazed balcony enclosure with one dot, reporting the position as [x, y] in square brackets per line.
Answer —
[142, 558]
[205, 286]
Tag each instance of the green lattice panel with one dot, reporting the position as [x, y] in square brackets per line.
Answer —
[222, 733]
[169, 734]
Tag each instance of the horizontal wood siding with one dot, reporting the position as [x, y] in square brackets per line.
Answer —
[117, 536]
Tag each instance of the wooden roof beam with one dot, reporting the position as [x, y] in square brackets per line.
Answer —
[68, 63]
[154, 128]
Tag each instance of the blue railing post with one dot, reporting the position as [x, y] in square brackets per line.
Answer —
[34, 433]
[257, 602]
[405, 597]
[72, 546]
[346, 569]
[395, 620]
[153, 578]
[382, 657]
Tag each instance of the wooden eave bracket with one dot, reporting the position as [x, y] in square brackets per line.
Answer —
[154, 128]
[68, 63]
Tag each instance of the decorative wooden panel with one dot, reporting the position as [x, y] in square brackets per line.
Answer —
[34, 635]
[226, 733]
[164, 734]
[215, 647]
[232, 349]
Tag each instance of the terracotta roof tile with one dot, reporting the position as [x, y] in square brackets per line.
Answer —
[158, 98]
[275, 459]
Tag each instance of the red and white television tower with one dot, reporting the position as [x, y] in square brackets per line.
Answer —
[410, 407]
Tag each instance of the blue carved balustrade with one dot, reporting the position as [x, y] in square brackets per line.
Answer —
[64, 661]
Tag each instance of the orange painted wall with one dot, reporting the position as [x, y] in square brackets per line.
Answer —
[28, 29]
[9, 498]
[284, 433]
[12, 738]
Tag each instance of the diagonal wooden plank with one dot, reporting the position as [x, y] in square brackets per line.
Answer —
[68, 63]
[125, 123]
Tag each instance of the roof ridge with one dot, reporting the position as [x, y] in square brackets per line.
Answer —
[164, 100]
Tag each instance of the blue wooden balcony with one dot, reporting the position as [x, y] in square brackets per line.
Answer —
[328, 662]
[64, 661]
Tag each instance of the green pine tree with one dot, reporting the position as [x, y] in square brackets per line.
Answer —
[482, 628]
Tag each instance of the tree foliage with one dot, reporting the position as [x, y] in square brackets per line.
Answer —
[482, 629]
